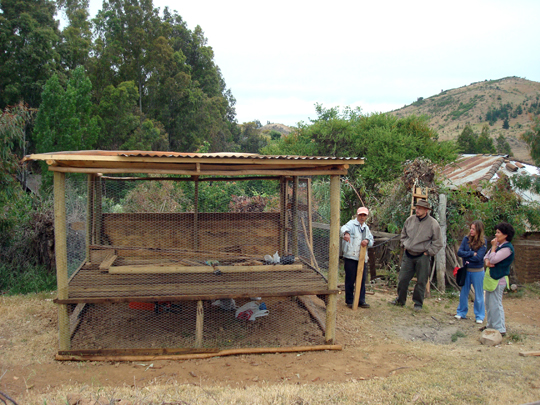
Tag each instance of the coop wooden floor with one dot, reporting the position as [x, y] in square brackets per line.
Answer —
[90, 284]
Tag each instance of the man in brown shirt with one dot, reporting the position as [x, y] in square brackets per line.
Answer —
[421, 237]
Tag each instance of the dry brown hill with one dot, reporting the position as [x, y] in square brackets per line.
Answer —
[451, 110]
[284, 129]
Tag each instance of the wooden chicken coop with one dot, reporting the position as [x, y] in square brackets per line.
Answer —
[164, 254]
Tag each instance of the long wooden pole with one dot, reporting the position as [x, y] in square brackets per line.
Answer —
[333, 262]
[196, 241]
[294, 217]
[199, 325]
[60, 248]
[440, 258]
[359, 276]
[310, 216]
[98, 209]
[230, 352]
[89, 214]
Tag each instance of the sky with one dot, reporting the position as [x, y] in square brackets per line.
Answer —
[280, 58]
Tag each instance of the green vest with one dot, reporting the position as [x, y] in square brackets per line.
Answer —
[502, 268]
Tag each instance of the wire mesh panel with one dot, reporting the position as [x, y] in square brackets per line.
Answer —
[212, 263]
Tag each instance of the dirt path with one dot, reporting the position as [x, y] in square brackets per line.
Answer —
[377, 343]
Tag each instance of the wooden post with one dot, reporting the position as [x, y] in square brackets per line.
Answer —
[282, 214]
[294, 215]
[199, 325]
[98, 209]
[89, 214]
[310, 218]
[359, 276]
[60, 248]
[196, 241]
[333, 262]
[440, 258]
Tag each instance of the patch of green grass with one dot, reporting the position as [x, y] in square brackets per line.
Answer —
[31, 279]
[515, 337]
[458, 334]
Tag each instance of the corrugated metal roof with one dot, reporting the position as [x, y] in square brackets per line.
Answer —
[475, 169]
[169, 154]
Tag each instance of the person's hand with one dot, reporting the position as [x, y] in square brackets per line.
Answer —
[364, 242]
[346, 237]
[474, 254]
[488, 263]
[494, 242]
[426, 253]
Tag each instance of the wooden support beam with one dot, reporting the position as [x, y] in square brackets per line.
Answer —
[98, 210]
[75, 318]
[333, 263]
[199, 327]
[108, 262]
[294, 217]
[316, 171]
[60, 241]
[167, 269]
[207, 296]
[205, 355]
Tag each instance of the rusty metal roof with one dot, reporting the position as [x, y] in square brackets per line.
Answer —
[476, 169]
[472, 169]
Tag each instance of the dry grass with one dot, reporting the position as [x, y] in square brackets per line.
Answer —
[391, 356]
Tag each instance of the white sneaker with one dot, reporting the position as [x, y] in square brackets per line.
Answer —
[457, 316]
[479, 321]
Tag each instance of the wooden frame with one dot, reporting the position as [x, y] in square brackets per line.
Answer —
[200, 167]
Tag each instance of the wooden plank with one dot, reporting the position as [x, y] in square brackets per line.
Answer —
[526, 354]
[199, 325]
[108, 262]
[220, 353]
[135, 352]
[316, 311]
[75, 318]
[333, 262]
[359, 276]
[332, 170]
[152, 269]
[229, 178]
[60, 240]
[180, 298]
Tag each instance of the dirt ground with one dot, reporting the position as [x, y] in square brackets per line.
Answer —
[378, 344]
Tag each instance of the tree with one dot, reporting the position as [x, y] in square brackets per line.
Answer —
[123, 125]
[65, 120]
[503, 147]
[532, 138]
[506, 125]
[384, 140]
[28, 50]
[76, 37]
[467, 140]
[484, 143]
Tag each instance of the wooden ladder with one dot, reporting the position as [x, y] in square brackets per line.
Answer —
[418, 193]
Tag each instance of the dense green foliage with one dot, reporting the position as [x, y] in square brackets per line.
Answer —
[131, 60]
[383, 139]
[470, 142]
[532, 137]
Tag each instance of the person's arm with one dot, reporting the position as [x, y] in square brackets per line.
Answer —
[478, 256]
[369, 238]
[436, 241]
[404, 235]
[346, 232]
[465, 251]
[500, 255]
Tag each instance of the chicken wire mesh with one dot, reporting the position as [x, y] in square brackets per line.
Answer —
[173, 263]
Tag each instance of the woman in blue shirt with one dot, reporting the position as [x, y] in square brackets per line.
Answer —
[472, 250]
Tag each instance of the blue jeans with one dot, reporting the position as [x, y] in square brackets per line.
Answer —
[476, 279]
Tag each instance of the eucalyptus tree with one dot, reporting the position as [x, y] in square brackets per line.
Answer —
[29, 37]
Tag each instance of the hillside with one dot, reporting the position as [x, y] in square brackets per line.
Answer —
[486, 102]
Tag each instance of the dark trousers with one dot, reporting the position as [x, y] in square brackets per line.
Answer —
[351, 268]
[410, 267]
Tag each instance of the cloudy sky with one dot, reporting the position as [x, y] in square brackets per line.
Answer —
[279, 58]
